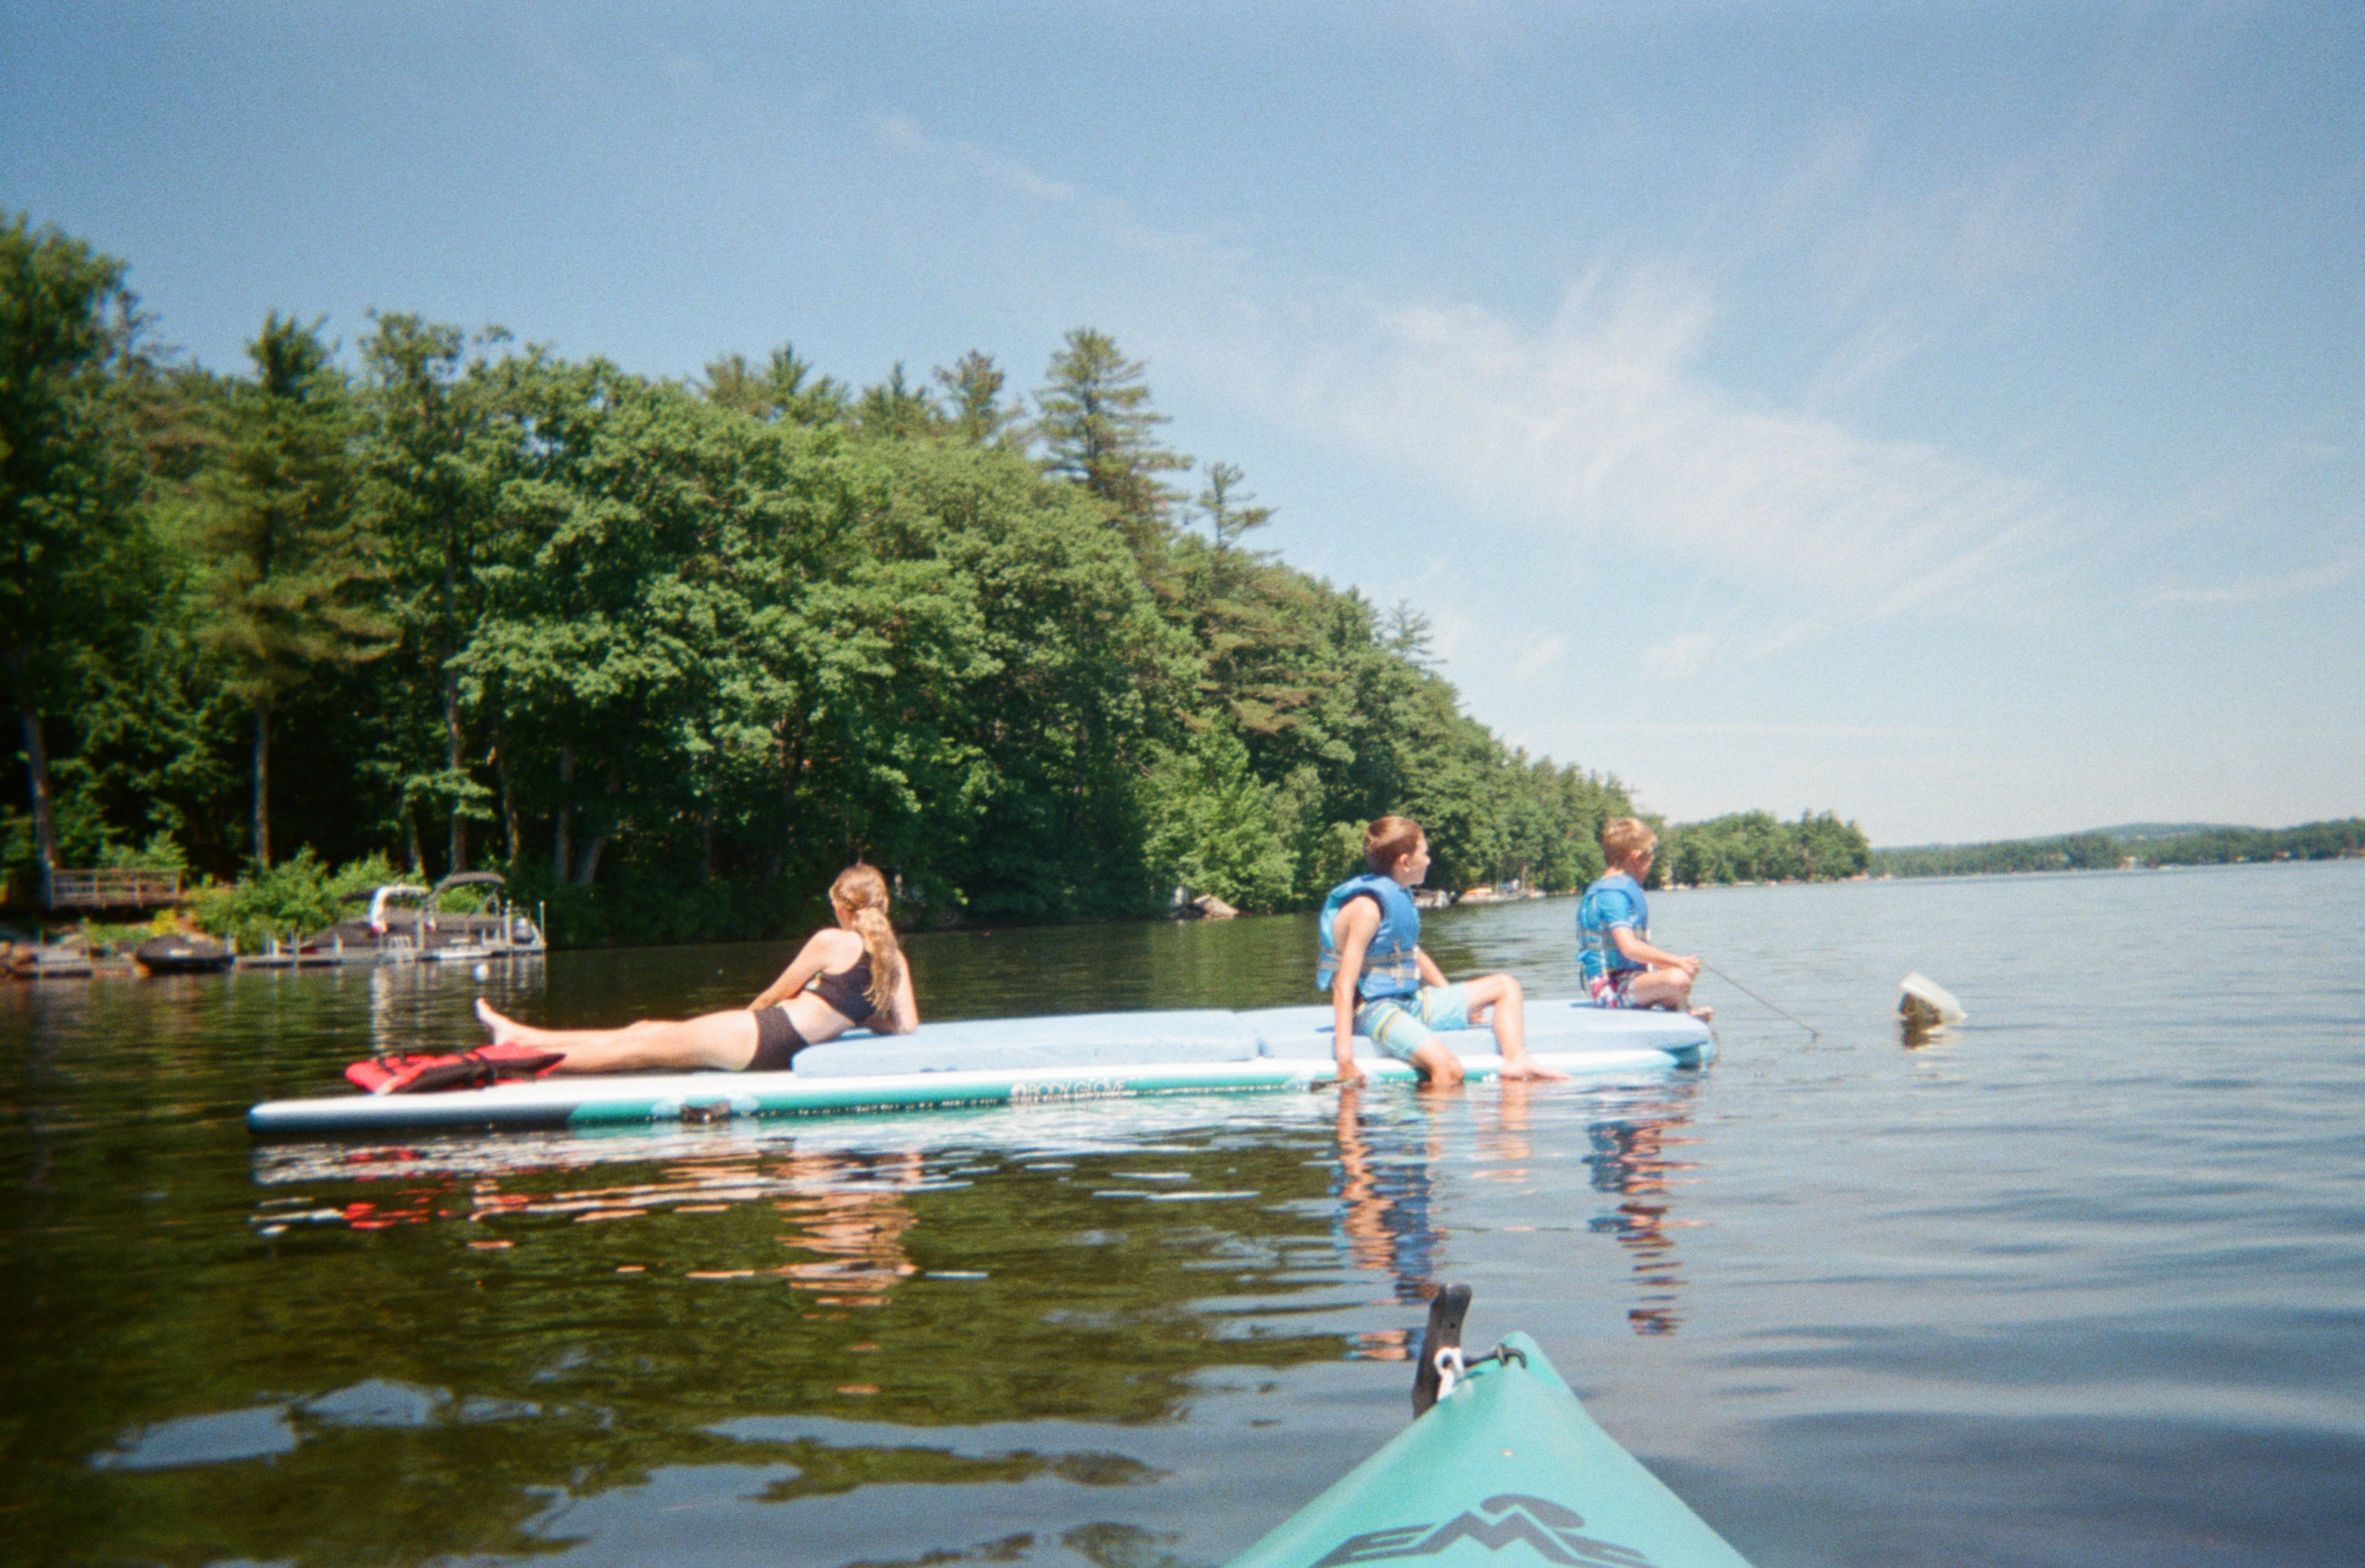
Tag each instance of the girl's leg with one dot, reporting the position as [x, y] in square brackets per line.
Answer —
[726, 1040]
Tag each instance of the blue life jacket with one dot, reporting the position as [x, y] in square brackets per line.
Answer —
[1616, 900]
[1388, 965]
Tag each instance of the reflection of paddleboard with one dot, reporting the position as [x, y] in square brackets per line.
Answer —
[1007, 1062]
[1504, 1468]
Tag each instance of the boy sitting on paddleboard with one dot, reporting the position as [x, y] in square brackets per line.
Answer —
[1384, 988]
[1613, 931]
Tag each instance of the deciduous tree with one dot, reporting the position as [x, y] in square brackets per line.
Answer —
[65, 320]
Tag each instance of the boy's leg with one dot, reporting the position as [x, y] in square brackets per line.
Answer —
[1439, 1066]
[1504, 1001]
[1407, 1033]
[1665, 988]
[1499, 1001]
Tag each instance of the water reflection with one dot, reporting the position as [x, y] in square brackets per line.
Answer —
[854, 1223]
[847, 1211]
[1630, 1158]
[1383, 1209]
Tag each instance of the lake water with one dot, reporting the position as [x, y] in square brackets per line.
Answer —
[2082, 1282]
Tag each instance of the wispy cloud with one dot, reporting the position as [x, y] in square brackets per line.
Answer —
[2339, 569]
[1602, 440]
[1679, 657]
[1789, 732]
[1541, 656]
[1599, 443]
[904, 131]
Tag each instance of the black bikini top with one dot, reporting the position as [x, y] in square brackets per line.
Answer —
[846, 993]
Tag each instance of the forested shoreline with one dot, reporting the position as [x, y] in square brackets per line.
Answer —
[668, 654]
[2105, 851]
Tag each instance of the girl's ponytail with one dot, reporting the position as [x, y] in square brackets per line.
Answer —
[862, 891]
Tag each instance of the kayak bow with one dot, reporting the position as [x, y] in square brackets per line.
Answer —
[1506, 1469]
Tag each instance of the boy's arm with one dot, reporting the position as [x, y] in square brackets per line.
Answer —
[1354, 927]
[1429, 973]
[1641, 952]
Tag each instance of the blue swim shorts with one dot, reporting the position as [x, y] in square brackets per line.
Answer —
[1402, 1024]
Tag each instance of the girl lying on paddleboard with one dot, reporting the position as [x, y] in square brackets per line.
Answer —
[852, 977]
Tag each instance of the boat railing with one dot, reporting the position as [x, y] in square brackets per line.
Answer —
[114, 887]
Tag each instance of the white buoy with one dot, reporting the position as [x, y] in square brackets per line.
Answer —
[482, 973]
[1925, 1003]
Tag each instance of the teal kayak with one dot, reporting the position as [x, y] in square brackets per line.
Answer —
[1506, 1469]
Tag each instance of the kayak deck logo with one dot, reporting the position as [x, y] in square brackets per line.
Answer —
[1545, 1526]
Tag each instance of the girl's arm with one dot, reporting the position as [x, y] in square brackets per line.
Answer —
[903, 1012]
[811, 960]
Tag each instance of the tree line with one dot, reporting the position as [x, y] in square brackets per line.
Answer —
[1754, 846]
[669, 652]
[2102, 851]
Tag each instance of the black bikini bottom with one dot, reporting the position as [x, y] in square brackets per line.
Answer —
[777, 1041]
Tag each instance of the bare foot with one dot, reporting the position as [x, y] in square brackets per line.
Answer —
[1703, 1013]
[504, 1030]
[1530, 1071]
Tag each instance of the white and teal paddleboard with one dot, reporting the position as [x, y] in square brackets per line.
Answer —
[1007, 1062]
[1504, 1471]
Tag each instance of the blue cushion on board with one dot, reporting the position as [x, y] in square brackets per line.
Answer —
[1011, 1045]
[1553, 1025]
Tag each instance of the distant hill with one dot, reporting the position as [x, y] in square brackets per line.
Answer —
[2144, 833]
[2129, 833]
[2134, 843]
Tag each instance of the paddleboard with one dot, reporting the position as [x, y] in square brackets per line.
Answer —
[1007, 1062]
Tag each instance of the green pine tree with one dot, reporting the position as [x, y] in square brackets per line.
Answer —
[1099, 430]
[293, 573]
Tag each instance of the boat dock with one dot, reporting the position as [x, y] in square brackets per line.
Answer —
[404, 924]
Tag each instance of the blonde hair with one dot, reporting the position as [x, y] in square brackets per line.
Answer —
[861, 891]
[1624, 837]
[1389, 840]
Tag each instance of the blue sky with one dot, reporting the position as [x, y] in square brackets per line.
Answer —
[1953, 416]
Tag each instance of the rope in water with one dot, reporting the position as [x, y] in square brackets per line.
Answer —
[1813, 1033]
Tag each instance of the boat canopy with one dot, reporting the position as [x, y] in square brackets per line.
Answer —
[391, 891]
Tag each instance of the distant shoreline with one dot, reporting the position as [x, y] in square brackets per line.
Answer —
[2128, 849]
